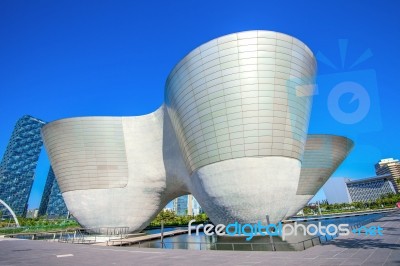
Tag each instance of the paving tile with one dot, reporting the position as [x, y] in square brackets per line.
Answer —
[328, 254]
[392, 263]
[306, 262]
[379, 256]
[395, 255]
[345, 254]
[353, 261]
[327, 261]
[363, 253]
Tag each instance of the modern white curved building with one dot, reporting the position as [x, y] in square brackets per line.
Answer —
[232, 131]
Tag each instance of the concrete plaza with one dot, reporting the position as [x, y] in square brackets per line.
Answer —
[350, 250]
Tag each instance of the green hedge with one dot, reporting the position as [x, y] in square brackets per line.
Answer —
[170, 218]
[32, 225]
[386, 201]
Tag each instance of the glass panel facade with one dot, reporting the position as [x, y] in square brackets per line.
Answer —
[390, 166]
[369, 190]
[181, 205]
[17, 168]
[186, 205]
[52, 203]
[46, 192]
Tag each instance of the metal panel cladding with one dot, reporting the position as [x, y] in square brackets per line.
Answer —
[323, 155]
[87, 152]
[246, 94]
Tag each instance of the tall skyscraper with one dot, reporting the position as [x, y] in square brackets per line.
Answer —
[186, 205]
[17, 168]
[56, 206]
[46, 192]
[196, 208]
[389, 166]
[180, 205]
[52, 203]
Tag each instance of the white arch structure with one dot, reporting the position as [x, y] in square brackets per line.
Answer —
[11, 211]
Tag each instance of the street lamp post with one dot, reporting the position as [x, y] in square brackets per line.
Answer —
[269, 233]
[319, 209]
[162, 233]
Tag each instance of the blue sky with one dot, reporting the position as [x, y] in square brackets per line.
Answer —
[81, 58]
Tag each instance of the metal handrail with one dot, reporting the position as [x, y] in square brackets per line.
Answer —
[81, 235]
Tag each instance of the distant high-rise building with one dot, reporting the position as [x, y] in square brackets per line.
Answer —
[370, 189]
[32, 213]
[52, 203]
[17, 168]
[168, 209]
[56, 207]
[46, 192]
[186, 205]
[196, 208]
[189, 205]
[389, 166]
[344, 190]
[180, 205]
